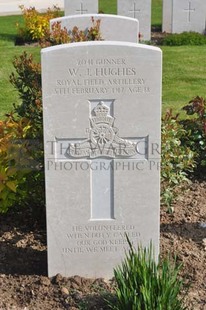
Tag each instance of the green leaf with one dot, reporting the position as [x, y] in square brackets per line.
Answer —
[11, 171]
[2, 186]
[11, 185]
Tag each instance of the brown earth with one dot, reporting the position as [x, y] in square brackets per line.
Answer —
[23, 260]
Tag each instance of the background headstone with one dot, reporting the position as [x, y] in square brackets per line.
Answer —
[140, 10]
[184, 15]
[109, 27]
[167, 16]
[74, 7]
[102, 150]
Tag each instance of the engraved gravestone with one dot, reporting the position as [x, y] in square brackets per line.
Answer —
[140, 10]
[110, 26]
[102, 150]
[74, 7]
[184, 15]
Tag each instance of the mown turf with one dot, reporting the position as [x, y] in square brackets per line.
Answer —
[183, 67]
[184, 75]
[8, 94]
[108, 6]
[157, 13]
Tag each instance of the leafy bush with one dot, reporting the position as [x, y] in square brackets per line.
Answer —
[14, 161]
[177, 158]
[37, 29]
[59, 35]
[36, 25]
[196, 129]
[28, 84]
[21, 134]
[185, 38]
[143, 284]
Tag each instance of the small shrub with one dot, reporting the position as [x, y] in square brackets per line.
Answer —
[21, 166]
[185, 38]
[36, 25]
[196, 129]
[21, 135]
[37, 29]
[14, 161]
[59, 35]
[143, 284]
[27, 81]
[177, 158]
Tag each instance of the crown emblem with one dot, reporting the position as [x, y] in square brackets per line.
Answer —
[101, 115]
[101, 110]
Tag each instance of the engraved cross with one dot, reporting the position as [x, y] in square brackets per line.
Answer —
[134, 11]
[189, 10]
[101, 151]
[81, 10]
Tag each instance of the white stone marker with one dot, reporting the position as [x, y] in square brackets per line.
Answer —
[73, 7]
[139, 9]
[184, 15]
[112, 27]
[102, 139]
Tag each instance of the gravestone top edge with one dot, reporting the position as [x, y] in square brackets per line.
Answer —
[95, 16]
[100, 43]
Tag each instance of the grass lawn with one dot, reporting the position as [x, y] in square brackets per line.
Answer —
[108, 6]
[184, 75]
[8, 95]
[157, 13]
[183, 67]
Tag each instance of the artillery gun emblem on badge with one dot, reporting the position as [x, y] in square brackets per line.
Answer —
[103, 139]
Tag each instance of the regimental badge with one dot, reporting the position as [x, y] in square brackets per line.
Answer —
[103, 139]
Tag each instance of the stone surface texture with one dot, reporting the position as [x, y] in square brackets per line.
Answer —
[112, 27]
[73, 7]
[102, 141]
[184, 15]
[140, 10]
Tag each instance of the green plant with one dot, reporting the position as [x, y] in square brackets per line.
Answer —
[177, 158]
[59, 35]
[36, 25]
[14, 161]
[196, 129]
[184, 38]
[27, 81]
[22, 180]
[143, 284]
[21, 166]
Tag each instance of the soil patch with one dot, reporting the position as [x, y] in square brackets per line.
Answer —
[23, 260]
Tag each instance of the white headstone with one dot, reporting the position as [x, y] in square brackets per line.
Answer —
[140, 10]
[184, 15]
[73, 7]
[167, 16]
[102, 141]
[109, 27]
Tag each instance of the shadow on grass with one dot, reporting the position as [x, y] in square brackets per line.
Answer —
[7, 37]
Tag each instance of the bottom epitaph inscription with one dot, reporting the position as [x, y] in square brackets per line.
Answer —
[101, 238]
